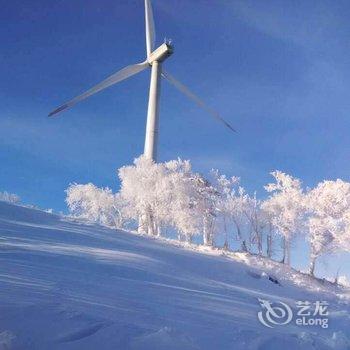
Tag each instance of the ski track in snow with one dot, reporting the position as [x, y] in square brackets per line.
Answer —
[69, 285]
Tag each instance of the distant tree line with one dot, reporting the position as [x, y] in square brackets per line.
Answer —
[170, 196]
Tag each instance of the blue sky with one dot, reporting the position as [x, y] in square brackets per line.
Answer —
[278, 71]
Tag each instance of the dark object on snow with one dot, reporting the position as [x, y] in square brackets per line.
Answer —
[274, 280]
[264, 275]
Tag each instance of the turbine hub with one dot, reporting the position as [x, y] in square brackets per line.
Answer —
[161, 53]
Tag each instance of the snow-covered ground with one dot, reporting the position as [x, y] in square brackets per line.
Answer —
[68, 285]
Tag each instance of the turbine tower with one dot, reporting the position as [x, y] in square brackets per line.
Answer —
[154, 61]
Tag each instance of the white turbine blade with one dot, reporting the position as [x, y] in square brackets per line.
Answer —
[195, 98]
[123, 74]
[150, 33]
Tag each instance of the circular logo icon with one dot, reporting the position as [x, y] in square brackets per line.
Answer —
[274, 314]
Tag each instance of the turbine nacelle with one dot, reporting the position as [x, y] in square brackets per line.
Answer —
[161, 53]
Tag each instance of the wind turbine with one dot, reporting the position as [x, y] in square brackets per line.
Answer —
[154, 61]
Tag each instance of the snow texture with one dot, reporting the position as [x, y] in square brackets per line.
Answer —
[68, 285]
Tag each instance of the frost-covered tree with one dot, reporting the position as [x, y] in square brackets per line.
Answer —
[285, 208]
[328, 221]
[269, 230]
[169, 194]
[205, 200]
[163, 194]
[182, 201]
[9, 197]
[144, 190]
[95, 204]
[257, 222]
[231, 205]
[236, 208]
[192, 202]
[225, 188]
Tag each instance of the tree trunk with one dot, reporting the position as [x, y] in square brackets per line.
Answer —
[312, 265]
[226, 246]
[259, 243]
[288, 252]
[207, 239]
[244, 246]
[142, 227]
[158, 229]
[240, 237]
[269, 245]
[284, 250]
[151, 230]
[207, 234]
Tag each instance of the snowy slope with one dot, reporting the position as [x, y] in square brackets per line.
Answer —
[68, 285]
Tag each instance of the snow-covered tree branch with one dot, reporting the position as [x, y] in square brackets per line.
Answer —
[285, 208]
[328, 223]
[95, 204]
